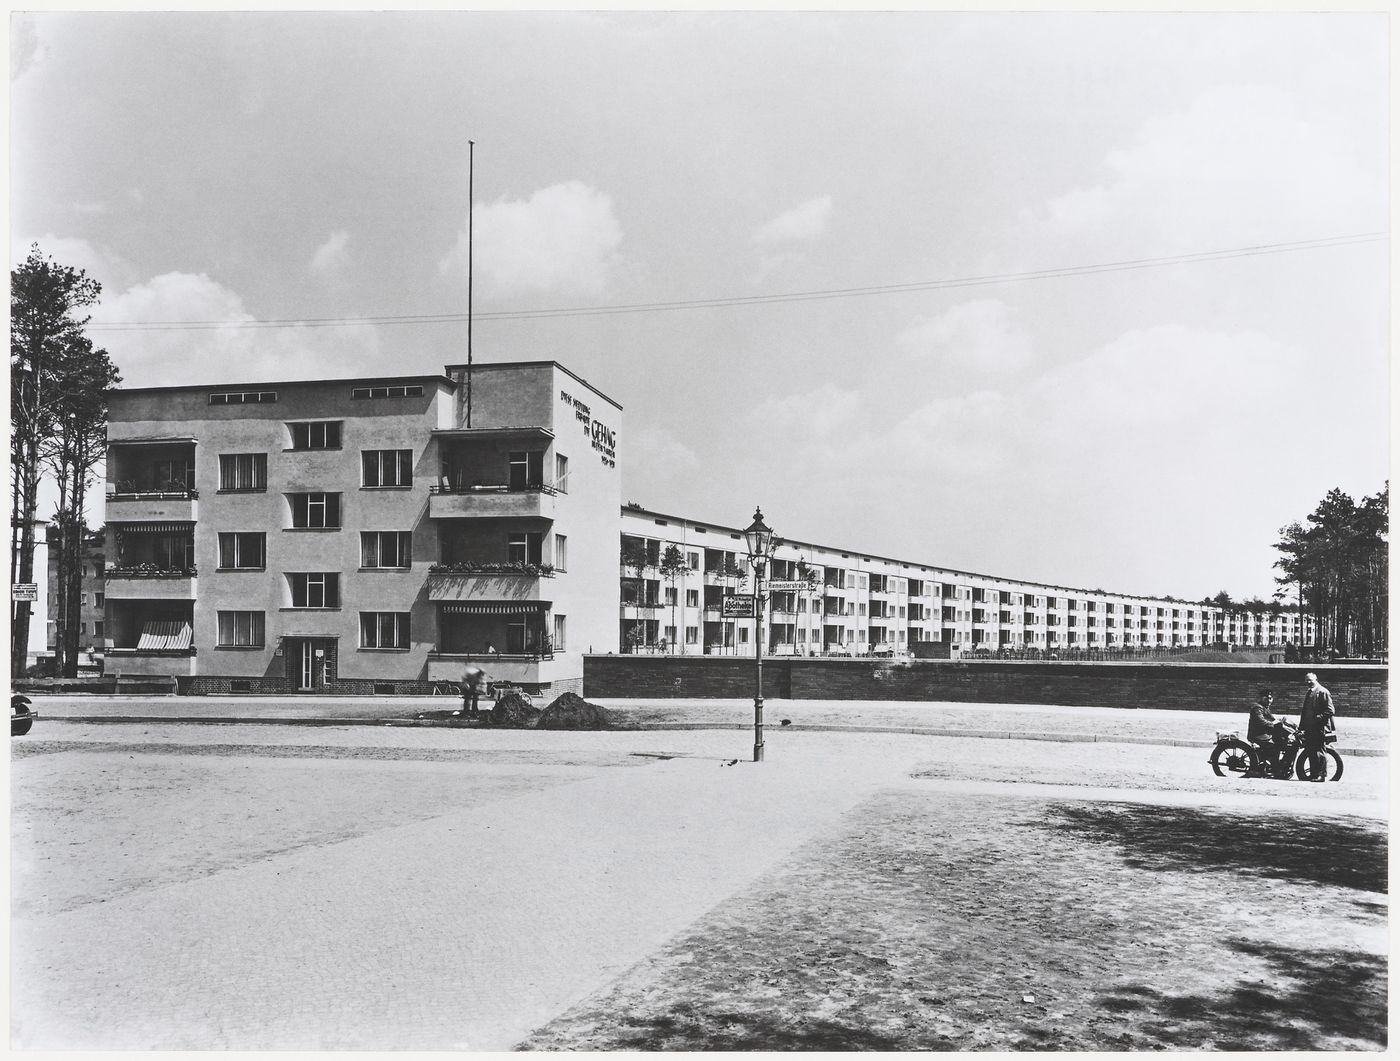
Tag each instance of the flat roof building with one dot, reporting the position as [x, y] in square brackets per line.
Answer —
[363, 535]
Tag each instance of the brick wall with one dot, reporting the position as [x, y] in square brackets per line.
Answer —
[1359, 692]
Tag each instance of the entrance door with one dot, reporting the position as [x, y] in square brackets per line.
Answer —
[306, 671]
[309, 663]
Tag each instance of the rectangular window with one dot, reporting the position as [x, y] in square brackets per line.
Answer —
[561, 473]
[97, 628]
[387, 467]
[526, 470]
[243, 549]
[316, 590]
[525, 548]
[560, 633]
[561, 552]
[692, 598]
[670, 598]
[173, 474]
[240, 629]
[692, 635]
[411, 391]
[99, 599]
[82, 599]
[692, 561]
[320, 434]
[384, 629]
[242, 472]
[242, 397]
[315, 511]
[386, 549]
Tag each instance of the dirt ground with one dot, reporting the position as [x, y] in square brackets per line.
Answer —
[947, 920]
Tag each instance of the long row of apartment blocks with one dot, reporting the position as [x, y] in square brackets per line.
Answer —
[380, 534]
[860, 604]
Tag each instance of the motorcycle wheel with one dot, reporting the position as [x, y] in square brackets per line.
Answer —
[1324, 764]
[1233, 758]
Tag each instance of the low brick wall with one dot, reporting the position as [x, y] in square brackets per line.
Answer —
[1358, 691]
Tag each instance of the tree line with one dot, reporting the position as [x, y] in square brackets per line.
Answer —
[1338, 563]
[58, 431]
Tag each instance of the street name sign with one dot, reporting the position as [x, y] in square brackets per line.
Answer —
[737, 606]
[24, 591]
[788, 586]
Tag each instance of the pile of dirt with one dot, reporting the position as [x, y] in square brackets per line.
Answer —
[513, 711]
[571, 711]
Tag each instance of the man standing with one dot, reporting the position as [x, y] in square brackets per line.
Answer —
[472, 679]
[1316, 718]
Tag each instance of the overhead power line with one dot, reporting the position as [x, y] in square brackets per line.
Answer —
[757, 300]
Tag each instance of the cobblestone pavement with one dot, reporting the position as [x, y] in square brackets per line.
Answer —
[268, 887]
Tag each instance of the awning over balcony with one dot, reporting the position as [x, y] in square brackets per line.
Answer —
[524, 607]
[153, 527]
[167, 635]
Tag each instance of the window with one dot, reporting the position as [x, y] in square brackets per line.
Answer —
[243, 549]
[526, 470]
[692, 635]
[97, 628]
[316, 590]
[561, 473]
[387, 467]
[321, 434]
[241, 397]
[99, 599]
[240, 630]
[692, 561]
[412, 391]
[561, 629]
[315, 511]
[692, 598]
[525, 548]
[561, 552]
[173, 474]
[670, 601]
[386, 548]
[384, 629]
[245, 472]
[82, 599]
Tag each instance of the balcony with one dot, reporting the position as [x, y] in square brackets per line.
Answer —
[495, 501]
[488, 582]
[147, 582]
[138, 506]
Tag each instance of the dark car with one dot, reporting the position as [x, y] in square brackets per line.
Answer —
[22, 716]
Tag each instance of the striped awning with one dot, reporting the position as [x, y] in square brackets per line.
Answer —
[166, 635]
[154, 527]
[502, 607]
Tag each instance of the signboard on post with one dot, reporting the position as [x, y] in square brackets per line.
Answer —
[737, 606]
[788, 586]
[24, 591]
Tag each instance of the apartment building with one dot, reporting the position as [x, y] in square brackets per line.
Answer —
[853, 603]
[364, 535]
[91, 601]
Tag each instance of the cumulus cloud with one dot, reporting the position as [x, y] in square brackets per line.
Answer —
[979, 338]
[817, 413]
[806, 220]
[563, 239]
[101, 264]
[227, 352]
[1237, 162]
[331, 257]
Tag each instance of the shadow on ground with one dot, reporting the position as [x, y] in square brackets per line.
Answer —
[1327, 851]
[1330, 995]
[691, 1030]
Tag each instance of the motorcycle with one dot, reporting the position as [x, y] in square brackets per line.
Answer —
[1235, 757]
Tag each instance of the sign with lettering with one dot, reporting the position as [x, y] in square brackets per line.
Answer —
[737, 606]
[779, 585]
[602, 437]
[24, 591]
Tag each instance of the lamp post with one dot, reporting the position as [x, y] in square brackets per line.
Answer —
[759, 537]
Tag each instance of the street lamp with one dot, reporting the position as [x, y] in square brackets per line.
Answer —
[759, 537]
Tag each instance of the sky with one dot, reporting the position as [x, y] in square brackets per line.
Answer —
[1092, 299]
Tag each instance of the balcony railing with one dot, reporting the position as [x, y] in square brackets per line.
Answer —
[493, 567]
[128, 492]
[490, 488]
[149, 571]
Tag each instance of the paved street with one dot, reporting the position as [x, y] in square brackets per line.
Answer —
[393, 887]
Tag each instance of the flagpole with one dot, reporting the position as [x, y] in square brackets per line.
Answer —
[471, 199]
